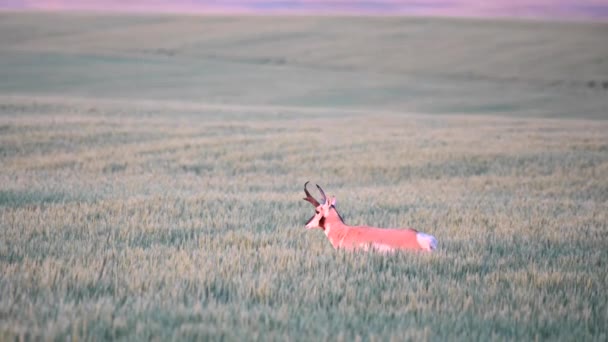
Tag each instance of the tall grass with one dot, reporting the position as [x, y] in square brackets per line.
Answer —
[119, 222]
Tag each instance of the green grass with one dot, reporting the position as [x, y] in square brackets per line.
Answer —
[127, 215]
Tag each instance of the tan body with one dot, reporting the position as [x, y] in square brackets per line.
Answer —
[362, 237]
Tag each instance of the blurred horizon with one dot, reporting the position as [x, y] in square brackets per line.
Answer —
[541, 9]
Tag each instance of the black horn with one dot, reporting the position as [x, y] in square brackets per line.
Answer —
[322, 193]
[309, 197]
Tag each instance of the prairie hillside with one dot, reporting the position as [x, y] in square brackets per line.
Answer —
[151, 172]
[445, 66]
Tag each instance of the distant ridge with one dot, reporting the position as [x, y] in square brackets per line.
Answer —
[596, 10]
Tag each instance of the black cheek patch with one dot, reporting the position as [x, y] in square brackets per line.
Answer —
[322, 222]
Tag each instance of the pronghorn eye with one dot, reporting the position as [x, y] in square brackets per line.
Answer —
[317, 211]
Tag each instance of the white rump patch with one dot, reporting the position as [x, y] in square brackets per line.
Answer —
[427, 242]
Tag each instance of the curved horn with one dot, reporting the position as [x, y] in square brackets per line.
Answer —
[309, 198]
[322, 193]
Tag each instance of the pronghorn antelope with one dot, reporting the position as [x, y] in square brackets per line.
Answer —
[340, 235]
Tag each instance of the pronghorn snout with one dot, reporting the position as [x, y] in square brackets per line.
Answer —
[310, 224]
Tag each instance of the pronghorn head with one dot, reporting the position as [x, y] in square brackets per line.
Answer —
[322, 211]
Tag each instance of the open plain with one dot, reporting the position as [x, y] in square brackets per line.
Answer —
[151, 174]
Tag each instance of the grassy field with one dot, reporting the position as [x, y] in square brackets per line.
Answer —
[151, 173]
